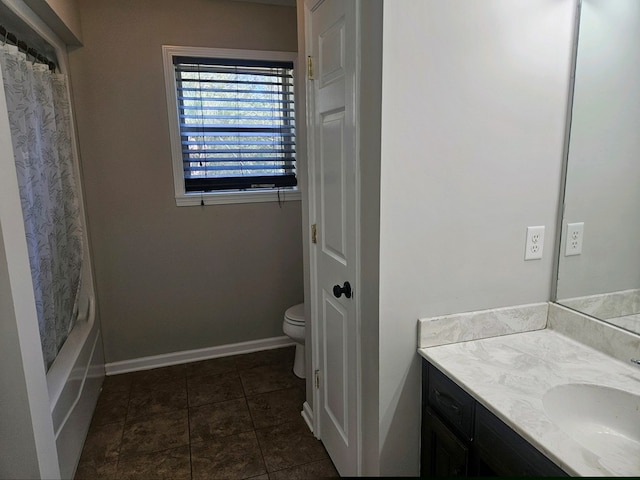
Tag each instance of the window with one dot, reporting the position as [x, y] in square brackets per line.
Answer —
[232, 121]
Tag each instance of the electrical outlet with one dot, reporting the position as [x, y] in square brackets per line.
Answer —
[535, 243]
[575, 233]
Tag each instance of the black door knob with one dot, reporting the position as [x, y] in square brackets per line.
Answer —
[338, 290]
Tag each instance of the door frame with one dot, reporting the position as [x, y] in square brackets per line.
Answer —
[310, 195]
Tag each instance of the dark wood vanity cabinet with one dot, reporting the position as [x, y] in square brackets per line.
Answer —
[461, 438]
[443, 453]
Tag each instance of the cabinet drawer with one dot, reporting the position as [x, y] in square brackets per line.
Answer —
[506, 452]
[452, 403]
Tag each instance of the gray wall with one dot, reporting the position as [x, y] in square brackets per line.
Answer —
[173, 278]
[603, 174]
[472, 145]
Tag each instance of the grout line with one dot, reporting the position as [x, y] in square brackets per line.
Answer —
[264, 461]
[153, 452]
[188, 424]
[255, 434]
[124, 426]
[253, 421]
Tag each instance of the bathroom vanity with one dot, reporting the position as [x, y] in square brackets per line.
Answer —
[540, 401]
[460, 437]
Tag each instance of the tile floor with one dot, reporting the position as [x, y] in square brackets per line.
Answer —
[232, 417]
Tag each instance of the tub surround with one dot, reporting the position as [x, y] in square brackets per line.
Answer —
[509, 374]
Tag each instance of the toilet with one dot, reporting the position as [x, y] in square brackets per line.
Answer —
[293, 327]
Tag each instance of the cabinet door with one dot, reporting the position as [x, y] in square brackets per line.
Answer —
[443, 454]
[506, 452]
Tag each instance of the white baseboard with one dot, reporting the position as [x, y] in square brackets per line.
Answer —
[307, 414]
[177, 358]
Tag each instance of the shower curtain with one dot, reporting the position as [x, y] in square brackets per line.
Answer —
[39, 118]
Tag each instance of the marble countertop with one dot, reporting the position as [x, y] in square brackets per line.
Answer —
[510, 374]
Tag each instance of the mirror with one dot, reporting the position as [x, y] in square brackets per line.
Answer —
[599, 258]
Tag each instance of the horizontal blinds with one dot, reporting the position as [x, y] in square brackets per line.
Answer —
[237, 123]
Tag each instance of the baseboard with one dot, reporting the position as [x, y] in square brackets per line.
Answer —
[177, 358]
[307, 414]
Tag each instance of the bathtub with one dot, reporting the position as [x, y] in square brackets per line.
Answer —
[74, 381]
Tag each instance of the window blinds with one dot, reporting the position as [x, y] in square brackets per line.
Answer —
[237, 123]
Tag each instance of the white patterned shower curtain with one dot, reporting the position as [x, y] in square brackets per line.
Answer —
[39, 118]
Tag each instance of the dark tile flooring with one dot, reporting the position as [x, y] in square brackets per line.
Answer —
[231, 417]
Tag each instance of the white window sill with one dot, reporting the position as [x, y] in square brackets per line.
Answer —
[244, 196]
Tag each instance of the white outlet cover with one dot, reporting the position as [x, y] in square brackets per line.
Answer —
[535, 243]
[575, 234]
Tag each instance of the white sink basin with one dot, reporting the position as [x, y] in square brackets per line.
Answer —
[605, 421]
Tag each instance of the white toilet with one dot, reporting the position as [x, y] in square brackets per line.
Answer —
[293, 327]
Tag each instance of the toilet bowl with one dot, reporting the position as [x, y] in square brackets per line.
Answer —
[293, 327]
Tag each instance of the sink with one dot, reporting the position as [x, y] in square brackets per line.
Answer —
[604, 420]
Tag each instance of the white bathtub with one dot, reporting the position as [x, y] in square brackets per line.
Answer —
[74, 381]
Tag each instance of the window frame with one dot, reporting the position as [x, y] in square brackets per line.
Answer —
[215, 197]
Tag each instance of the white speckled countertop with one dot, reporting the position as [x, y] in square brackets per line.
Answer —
[509, 375]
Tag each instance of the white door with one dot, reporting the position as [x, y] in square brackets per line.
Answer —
[335, 192]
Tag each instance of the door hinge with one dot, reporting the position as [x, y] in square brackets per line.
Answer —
[314, 233]
[317, 378]
[310, 67]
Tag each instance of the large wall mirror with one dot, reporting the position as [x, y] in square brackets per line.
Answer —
[599, 261]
